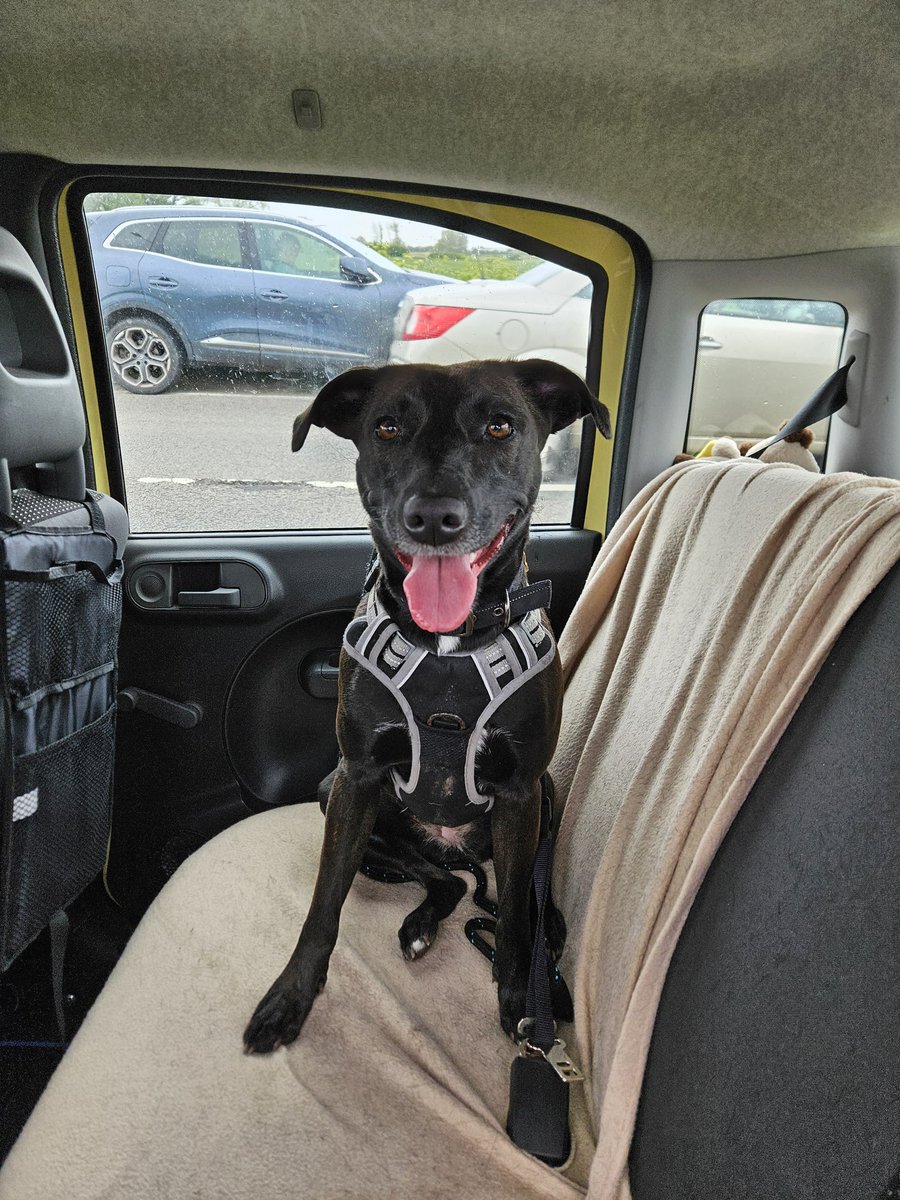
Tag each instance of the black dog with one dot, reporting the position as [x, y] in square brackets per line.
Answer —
[449, 710]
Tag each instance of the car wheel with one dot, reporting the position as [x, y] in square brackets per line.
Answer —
[145, 356]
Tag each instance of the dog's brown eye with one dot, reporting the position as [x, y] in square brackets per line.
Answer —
[499, 428]
[387, 429]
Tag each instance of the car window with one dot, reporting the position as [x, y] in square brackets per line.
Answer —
[136, 235]
[758, 361]
[210, 243]
[210, 367]
[292, 252]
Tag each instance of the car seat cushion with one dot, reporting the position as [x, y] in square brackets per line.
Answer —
[707, 614]
[396, 1087]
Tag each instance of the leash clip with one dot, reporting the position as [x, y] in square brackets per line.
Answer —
[557, 1055]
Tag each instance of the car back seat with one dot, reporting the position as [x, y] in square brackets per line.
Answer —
[397, 1085]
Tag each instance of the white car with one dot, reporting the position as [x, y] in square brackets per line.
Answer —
[545, 313]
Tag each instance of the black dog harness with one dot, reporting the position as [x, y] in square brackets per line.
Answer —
[448, 699]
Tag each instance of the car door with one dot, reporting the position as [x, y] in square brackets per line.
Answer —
[309, 312]
[243, 567]
[197, 273]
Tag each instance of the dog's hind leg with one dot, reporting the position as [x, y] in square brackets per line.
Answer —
[443, 891]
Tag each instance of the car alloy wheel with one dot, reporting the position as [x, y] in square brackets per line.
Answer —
[145, 357]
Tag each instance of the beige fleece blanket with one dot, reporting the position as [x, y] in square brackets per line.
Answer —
[706, 616]
[705, 619]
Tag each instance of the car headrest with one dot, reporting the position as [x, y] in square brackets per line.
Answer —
[41, 414]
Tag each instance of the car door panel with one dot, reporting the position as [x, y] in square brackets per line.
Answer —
[259, 679]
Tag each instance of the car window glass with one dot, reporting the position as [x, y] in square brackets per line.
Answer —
[210, 364]
[290, 252]
[758, 361]
[210, 243]
[136, 235]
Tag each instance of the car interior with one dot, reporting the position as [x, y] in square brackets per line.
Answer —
[694, 209]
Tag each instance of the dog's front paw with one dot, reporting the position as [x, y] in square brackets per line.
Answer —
[278, 1018]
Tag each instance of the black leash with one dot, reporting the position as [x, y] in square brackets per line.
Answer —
[538, 1116]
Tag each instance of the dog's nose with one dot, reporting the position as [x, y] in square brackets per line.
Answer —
[435, 520]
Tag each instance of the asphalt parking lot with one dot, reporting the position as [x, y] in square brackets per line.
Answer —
[215, 455]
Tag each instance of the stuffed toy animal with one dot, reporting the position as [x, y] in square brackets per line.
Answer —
[793, 449]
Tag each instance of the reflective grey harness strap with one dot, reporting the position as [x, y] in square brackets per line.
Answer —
[413, 659]
[502, 696]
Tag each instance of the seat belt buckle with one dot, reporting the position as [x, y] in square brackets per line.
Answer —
[537, 1120]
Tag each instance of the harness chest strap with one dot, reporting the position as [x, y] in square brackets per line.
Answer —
[517, 655]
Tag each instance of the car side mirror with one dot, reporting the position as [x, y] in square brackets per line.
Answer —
[356, 269]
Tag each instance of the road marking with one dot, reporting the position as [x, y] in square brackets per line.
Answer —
[184, 481]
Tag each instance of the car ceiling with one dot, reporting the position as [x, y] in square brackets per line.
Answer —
[722, 130]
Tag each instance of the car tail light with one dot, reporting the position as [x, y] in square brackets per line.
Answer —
[431, 320]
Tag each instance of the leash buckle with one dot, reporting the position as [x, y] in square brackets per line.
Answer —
[557, 1055]
[560, 1060]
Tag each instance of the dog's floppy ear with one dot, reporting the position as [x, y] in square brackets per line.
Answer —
[560, 394]
[337, 405]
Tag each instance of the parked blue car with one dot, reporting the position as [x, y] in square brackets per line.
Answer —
[254, 291]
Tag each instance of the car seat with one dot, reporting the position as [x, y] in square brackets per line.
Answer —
[61, 549]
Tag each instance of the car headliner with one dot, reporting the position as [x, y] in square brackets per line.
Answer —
[721, 130]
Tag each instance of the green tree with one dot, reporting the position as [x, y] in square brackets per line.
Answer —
[451, 242]
[396, 247]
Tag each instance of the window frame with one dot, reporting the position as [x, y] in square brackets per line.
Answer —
[611, 255]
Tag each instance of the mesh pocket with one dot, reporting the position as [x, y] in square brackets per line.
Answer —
[58, 829]
[59, 628]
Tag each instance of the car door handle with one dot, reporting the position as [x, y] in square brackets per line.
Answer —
[709, 343]
[184, 715]
[273, 294]
[220, 597]
[162, 281]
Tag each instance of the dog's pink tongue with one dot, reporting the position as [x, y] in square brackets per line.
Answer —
[440, 591]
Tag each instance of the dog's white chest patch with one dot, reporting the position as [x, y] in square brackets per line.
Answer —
[449, 835]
